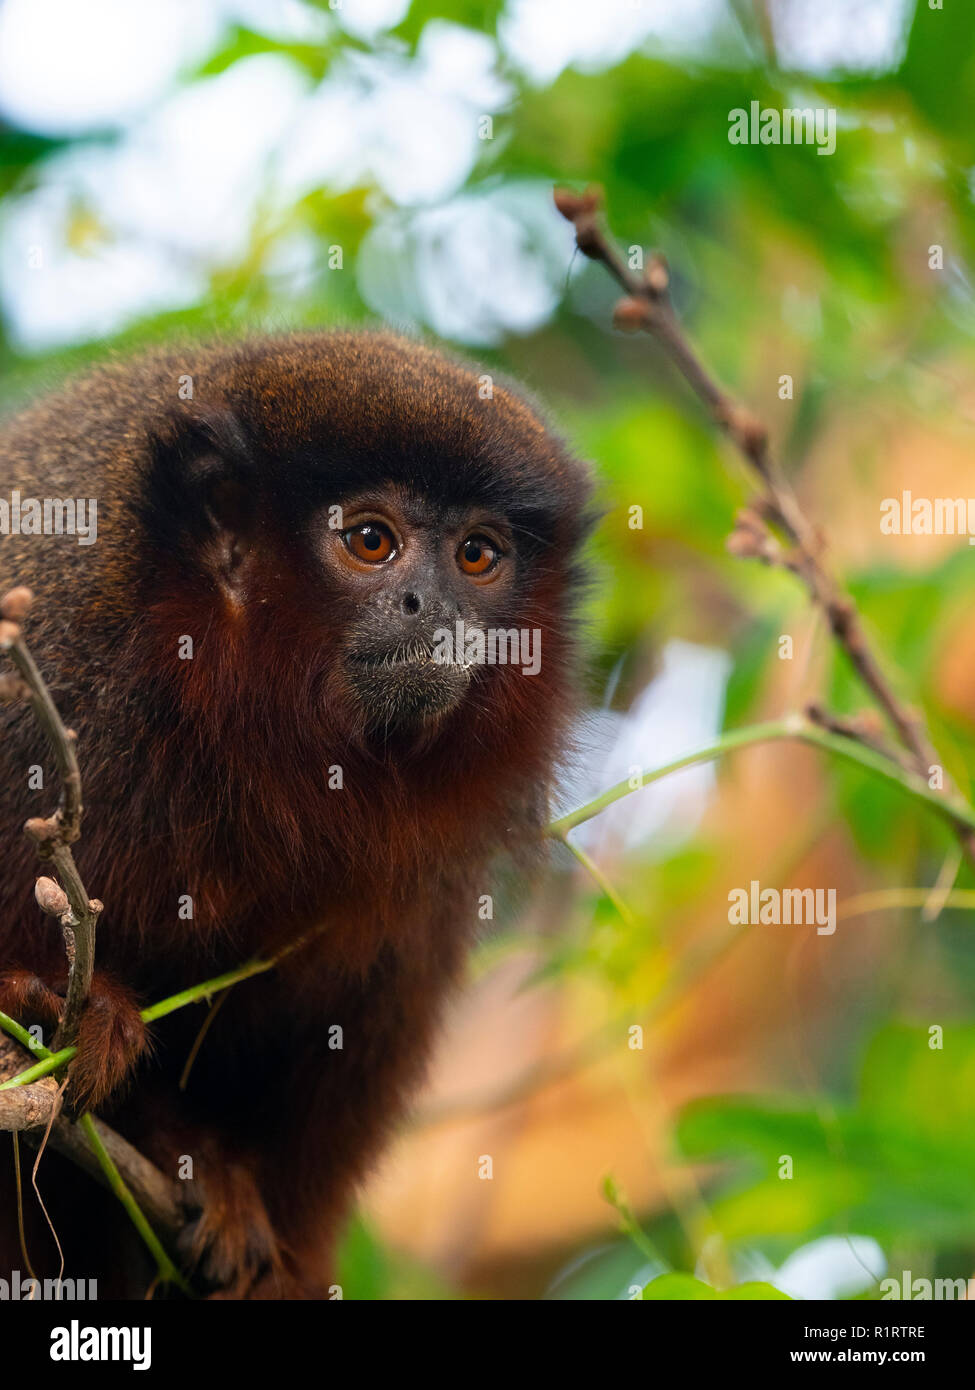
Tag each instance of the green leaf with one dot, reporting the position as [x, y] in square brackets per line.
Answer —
[686, 1287]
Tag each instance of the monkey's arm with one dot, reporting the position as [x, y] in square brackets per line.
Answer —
[112, 1037]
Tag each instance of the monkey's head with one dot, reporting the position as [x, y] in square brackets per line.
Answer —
[331, 608]
[402, 530]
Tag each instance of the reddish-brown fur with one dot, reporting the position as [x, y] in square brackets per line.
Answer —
[208, 778]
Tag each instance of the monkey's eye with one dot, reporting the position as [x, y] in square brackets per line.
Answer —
[371, 542]
[477, 555]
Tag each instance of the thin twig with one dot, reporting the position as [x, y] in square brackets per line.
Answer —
[53, 836]
[27, 1108]
[647, 307]
[945, 882]
[52, 1061]
[158, 1196]
[863, 727]
[793, 726]
[167, 1270]
[597, 875]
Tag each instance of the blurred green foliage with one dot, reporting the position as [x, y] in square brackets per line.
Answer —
[684, 1287]
[897, 1162]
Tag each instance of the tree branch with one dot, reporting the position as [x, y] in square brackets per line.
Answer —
[647, 307]
[139, 1186]
[52, 837]
[28, 1109]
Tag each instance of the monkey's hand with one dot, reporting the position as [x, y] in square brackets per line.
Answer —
[111, 1036]
[229, 1245]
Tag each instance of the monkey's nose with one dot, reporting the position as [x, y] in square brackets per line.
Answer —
[412, 603]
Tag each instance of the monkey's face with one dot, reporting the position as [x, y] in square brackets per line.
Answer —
[424, 585]
[389, 553]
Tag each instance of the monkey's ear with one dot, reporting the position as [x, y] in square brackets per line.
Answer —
[203, 491]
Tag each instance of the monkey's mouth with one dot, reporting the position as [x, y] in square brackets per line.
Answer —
[405, 687]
